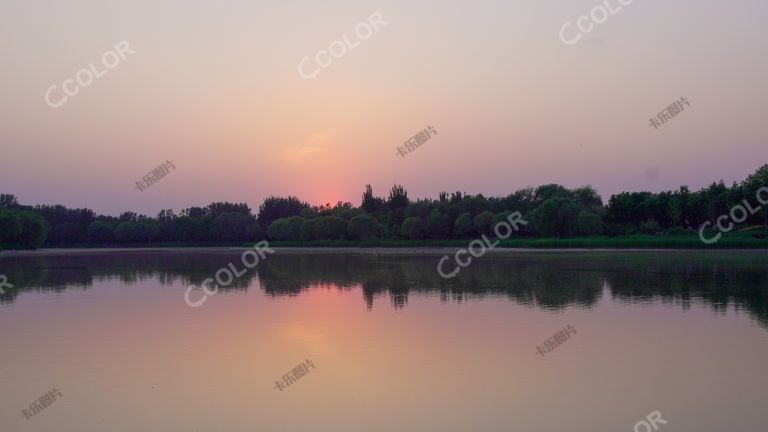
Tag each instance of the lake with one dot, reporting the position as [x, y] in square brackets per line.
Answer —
[378, 341]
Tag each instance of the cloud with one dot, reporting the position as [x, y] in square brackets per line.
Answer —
[298, 155]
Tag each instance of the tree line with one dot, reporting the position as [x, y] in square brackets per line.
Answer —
[552, 210]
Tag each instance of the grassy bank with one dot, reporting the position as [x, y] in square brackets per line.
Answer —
[692, 241]
[736, 240]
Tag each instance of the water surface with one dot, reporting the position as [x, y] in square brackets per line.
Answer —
[395, 347]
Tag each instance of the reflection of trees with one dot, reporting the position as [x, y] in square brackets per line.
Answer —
[550, 281]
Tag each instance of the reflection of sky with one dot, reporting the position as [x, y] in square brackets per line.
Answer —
[136, 357]
[214, 87]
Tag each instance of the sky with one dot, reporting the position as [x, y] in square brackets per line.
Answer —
[215, 88]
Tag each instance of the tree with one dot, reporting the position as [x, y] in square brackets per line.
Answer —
[230, 226]
[255, 232]
[587, 197]
[100, 232]
[589, 224]
[651, 226]
[484, 222]
[8, 201]
[413, 228]
[34, 229]
[363, 227]
[147, 231]
[438, 225]
[556, 217]
[751, 186]
[398, 198]
[370, 203]
[464, 226]
[549, 191]
[307, 231]
[274, 208]
[330, 228]
[278, 230]
[293, 227]
[10, 226]
[218, 208]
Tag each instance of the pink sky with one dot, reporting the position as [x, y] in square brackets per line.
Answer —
[214, 88]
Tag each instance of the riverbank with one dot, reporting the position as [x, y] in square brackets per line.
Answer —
[422, 251]
[733, 241]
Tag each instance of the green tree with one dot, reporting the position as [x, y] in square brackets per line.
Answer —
[278, 230]
[363, 227]
[650, 226]
[34, 229]
[413, 228]
[308, 230]
[438, 225]
[589, 224]
[293, 227]
[371, 204]
[100, 232]
[230, 226]
[255, 232]
[548, 191]
[751, 186]
[330, 228]
[10, 226]
[274, 208]
[464, 226]
[484, 222]
[587, 197]
[556, 217]
[398, 198]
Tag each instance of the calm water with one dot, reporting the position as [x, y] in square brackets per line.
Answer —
[394, 346]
